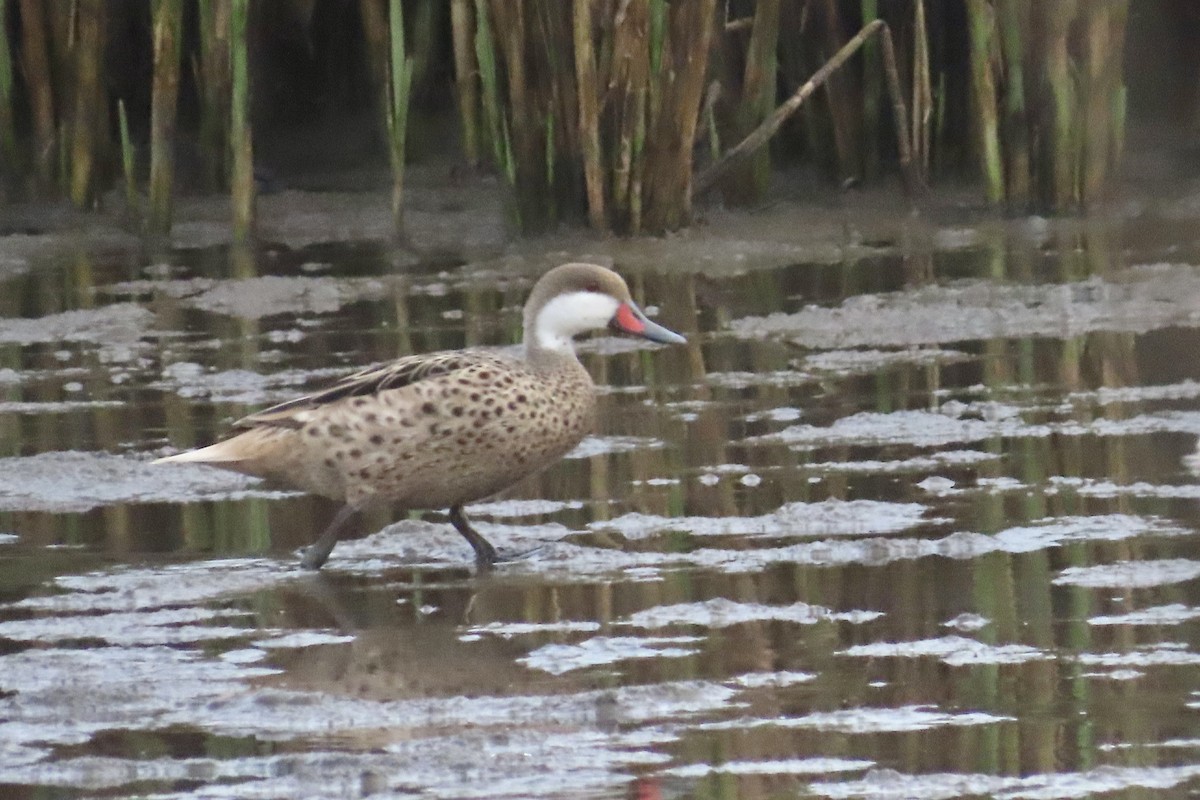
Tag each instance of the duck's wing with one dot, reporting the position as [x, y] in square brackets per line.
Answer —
[394, 375]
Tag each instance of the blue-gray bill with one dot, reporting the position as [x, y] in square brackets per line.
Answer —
[630, 319]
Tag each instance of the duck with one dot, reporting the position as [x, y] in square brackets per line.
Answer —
[436, 431]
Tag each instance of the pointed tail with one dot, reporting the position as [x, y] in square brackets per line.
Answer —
[217, 454]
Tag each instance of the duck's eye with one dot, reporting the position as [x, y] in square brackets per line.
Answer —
[592, 287]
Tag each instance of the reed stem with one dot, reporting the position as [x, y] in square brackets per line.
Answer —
[914, 185]
[872, 94]
[242, 174]
[485, 54]
[215, 88]
[465, 79]
[672, 128]
[589, 113]
[131, 197]
[524, 119]
[1103, 112]
[1013, 17]
[923, 107]
[631, 70]
[1063, 166]
[845, 106]
[167, 22]
[401, 69]
[88, 123]
[40, 88]
[757, 101]
[981, 23]
[8, 133]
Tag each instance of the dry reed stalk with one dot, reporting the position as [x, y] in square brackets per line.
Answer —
[401, 71]
[131, 196]
[89, 124]
[564, 145]
[493, 112]
[708, 125]
[631, 74]
[375, 39]
[845, 105]
[62, 36]
[40, 87]
[214, 83]
[1013, 17]
[1103, 112]
[1059, 159]
[922, 94]
[8, 133]
[872, 93]
[242, 169]
[981, 23]
[167, 23]
[525, 122]
[771, 125]
[637, 167]
[668, 181]
[589, 113]
[424, 41]
[658, 45]
[466, 79]
[748, 181]
[914, 184]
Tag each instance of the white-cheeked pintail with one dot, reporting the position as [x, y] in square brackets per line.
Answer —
[440, 430]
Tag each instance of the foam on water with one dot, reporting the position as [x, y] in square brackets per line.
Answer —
[1131, 574]
[604, 445]
[720, 612]
[892, 785]
[80, 481]
[868, 720]
[1154, 656]
[558, 659]
[774, 680]
[521, 508]
[509, 630]
[933, 429]
[1173, 614]
[826, 518]
[165, 626]
[953, 650]
[147, 588]
[788, 766]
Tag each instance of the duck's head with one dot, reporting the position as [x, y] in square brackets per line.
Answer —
[576, 298]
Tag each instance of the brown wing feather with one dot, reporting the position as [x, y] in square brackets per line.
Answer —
[402, 372]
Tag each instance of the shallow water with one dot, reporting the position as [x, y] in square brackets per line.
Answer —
[913, 518]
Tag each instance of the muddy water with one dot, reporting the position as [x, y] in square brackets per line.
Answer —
[911, 515]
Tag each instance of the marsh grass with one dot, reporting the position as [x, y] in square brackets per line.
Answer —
[587, 109]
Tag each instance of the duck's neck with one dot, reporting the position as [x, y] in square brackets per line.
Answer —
[553, 354]
[544, 336]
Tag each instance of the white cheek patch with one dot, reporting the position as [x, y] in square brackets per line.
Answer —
[571, 314]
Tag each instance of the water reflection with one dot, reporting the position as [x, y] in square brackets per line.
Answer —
[918, 523]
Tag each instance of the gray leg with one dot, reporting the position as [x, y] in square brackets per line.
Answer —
[485, 554]
[318, 552]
